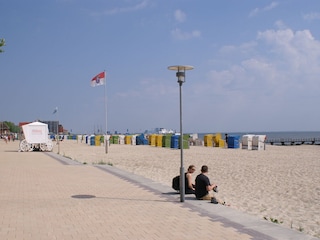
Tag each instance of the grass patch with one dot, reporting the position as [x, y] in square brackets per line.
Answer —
[102, 162]
[274, 220]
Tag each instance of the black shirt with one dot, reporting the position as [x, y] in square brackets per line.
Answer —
[202, 181]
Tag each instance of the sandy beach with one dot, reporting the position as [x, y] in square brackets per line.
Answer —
[280, 184]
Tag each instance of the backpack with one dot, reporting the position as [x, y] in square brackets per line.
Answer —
[176, 183]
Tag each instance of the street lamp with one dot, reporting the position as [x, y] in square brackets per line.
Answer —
[181, 70]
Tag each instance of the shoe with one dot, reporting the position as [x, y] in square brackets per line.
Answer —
[214, 200]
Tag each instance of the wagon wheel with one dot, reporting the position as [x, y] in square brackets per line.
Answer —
[49, 145]
[31, 147]
[25, 146]
[43, 147]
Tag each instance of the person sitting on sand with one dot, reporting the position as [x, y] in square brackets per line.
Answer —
[189, 189]
[203, 186]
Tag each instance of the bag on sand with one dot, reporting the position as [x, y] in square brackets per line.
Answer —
[176, 183]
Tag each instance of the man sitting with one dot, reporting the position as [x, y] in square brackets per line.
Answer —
[203, 186]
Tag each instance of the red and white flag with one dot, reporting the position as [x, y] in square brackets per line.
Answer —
[98, 80]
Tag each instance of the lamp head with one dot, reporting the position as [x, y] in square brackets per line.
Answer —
[181, 69]
[180, 76]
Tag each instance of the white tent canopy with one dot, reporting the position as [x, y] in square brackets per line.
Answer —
[36, 132]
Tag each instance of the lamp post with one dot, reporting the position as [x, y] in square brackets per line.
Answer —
[181, 70]
[58, 140]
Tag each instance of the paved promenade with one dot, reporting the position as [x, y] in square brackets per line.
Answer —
[46, 196]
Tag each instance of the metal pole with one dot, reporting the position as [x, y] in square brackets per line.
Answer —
[181, 80]
[105, 102]
[58, 141]
[182, 180]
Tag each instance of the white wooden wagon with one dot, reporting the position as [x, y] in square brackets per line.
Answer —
[36, 136]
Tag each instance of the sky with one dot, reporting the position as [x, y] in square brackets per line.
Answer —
[256, 64]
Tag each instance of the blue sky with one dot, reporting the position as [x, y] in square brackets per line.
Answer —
[256, 64]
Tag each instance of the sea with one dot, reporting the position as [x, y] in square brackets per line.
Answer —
[272, 135]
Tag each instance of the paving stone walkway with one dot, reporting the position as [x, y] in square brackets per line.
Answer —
[47, 196]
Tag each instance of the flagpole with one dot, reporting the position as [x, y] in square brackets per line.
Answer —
[58, 132]
[105, 102]
[54, 112]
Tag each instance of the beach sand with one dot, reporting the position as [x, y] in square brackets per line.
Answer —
[279, 184]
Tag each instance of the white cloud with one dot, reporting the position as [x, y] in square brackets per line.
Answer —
[254, 12]
[298, 51]
[312, 16]
[269, 7]
[140, 5]
[151, 89]
[280, 24]
[179, 35]
[278, 77]
[180, 16]
[274, 77]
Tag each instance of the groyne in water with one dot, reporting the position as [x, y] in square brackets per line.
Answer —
[293, 141]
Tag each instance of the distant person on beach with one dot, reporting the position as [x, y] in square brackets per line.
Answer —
[189, 181]
[203, 186]
[226, 138]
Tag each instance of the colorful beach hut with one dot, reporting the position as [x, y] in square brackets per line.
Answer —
[152, 140]
[246, 141]
[141, 140]
[166, 140]
[208, 140]
[127, 139]
[233, 141]
[258, 142]
[159, 140]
